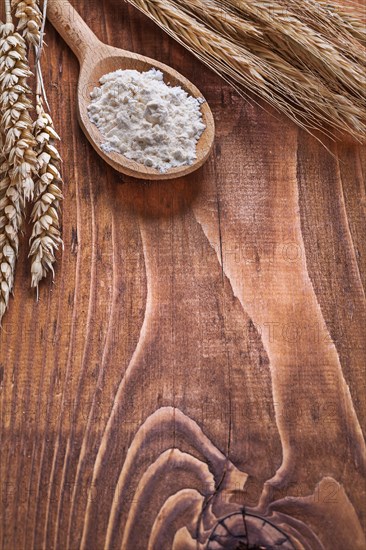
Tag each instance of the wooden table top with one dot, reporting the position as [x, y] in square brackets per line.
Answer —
[195, 377]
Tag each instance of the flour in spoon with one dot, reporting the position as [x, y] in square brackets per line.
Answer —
[146, 120]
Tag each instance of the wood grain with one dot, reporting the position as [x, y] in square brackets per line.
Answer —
[196, 374]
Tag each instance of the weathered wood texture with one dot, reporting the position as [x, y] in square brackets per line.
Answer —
[202, 351]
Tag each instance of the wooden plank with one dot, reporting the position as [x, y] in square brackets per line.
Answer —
[201, 354]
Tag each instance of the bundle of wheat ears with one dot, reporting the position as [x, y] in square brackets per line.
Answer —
[306, 58]
[28, 156]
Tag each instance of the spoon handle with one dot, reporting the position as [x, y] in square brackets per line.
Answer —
[72, 28]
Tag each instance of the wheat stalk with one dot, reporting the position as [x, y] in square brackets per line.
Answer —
[305, 58]
[46, 235]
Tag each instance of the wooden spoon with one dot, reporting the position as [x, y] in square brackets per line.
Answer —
[97, 59]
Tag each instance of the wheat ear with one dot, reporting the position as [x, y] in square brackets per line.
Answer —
[18, 159]
[15, 107]
[46, 234]
[45, 217]
[10, 220]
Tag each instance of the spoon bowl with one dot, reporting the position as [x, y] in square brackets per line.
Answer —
[97, 59]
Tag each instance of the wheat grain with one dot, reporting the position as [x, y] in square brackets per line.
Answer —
[29, 17]
[303, 57]
[46, 236]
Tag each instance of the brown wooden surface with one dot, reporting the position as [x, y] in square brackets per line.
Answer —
[202, 351]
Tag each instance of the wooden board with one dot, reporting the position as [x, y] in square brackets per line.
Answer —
[197, 370]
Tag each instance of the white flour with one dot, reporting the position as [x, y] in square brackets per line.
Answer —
[146, 120]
